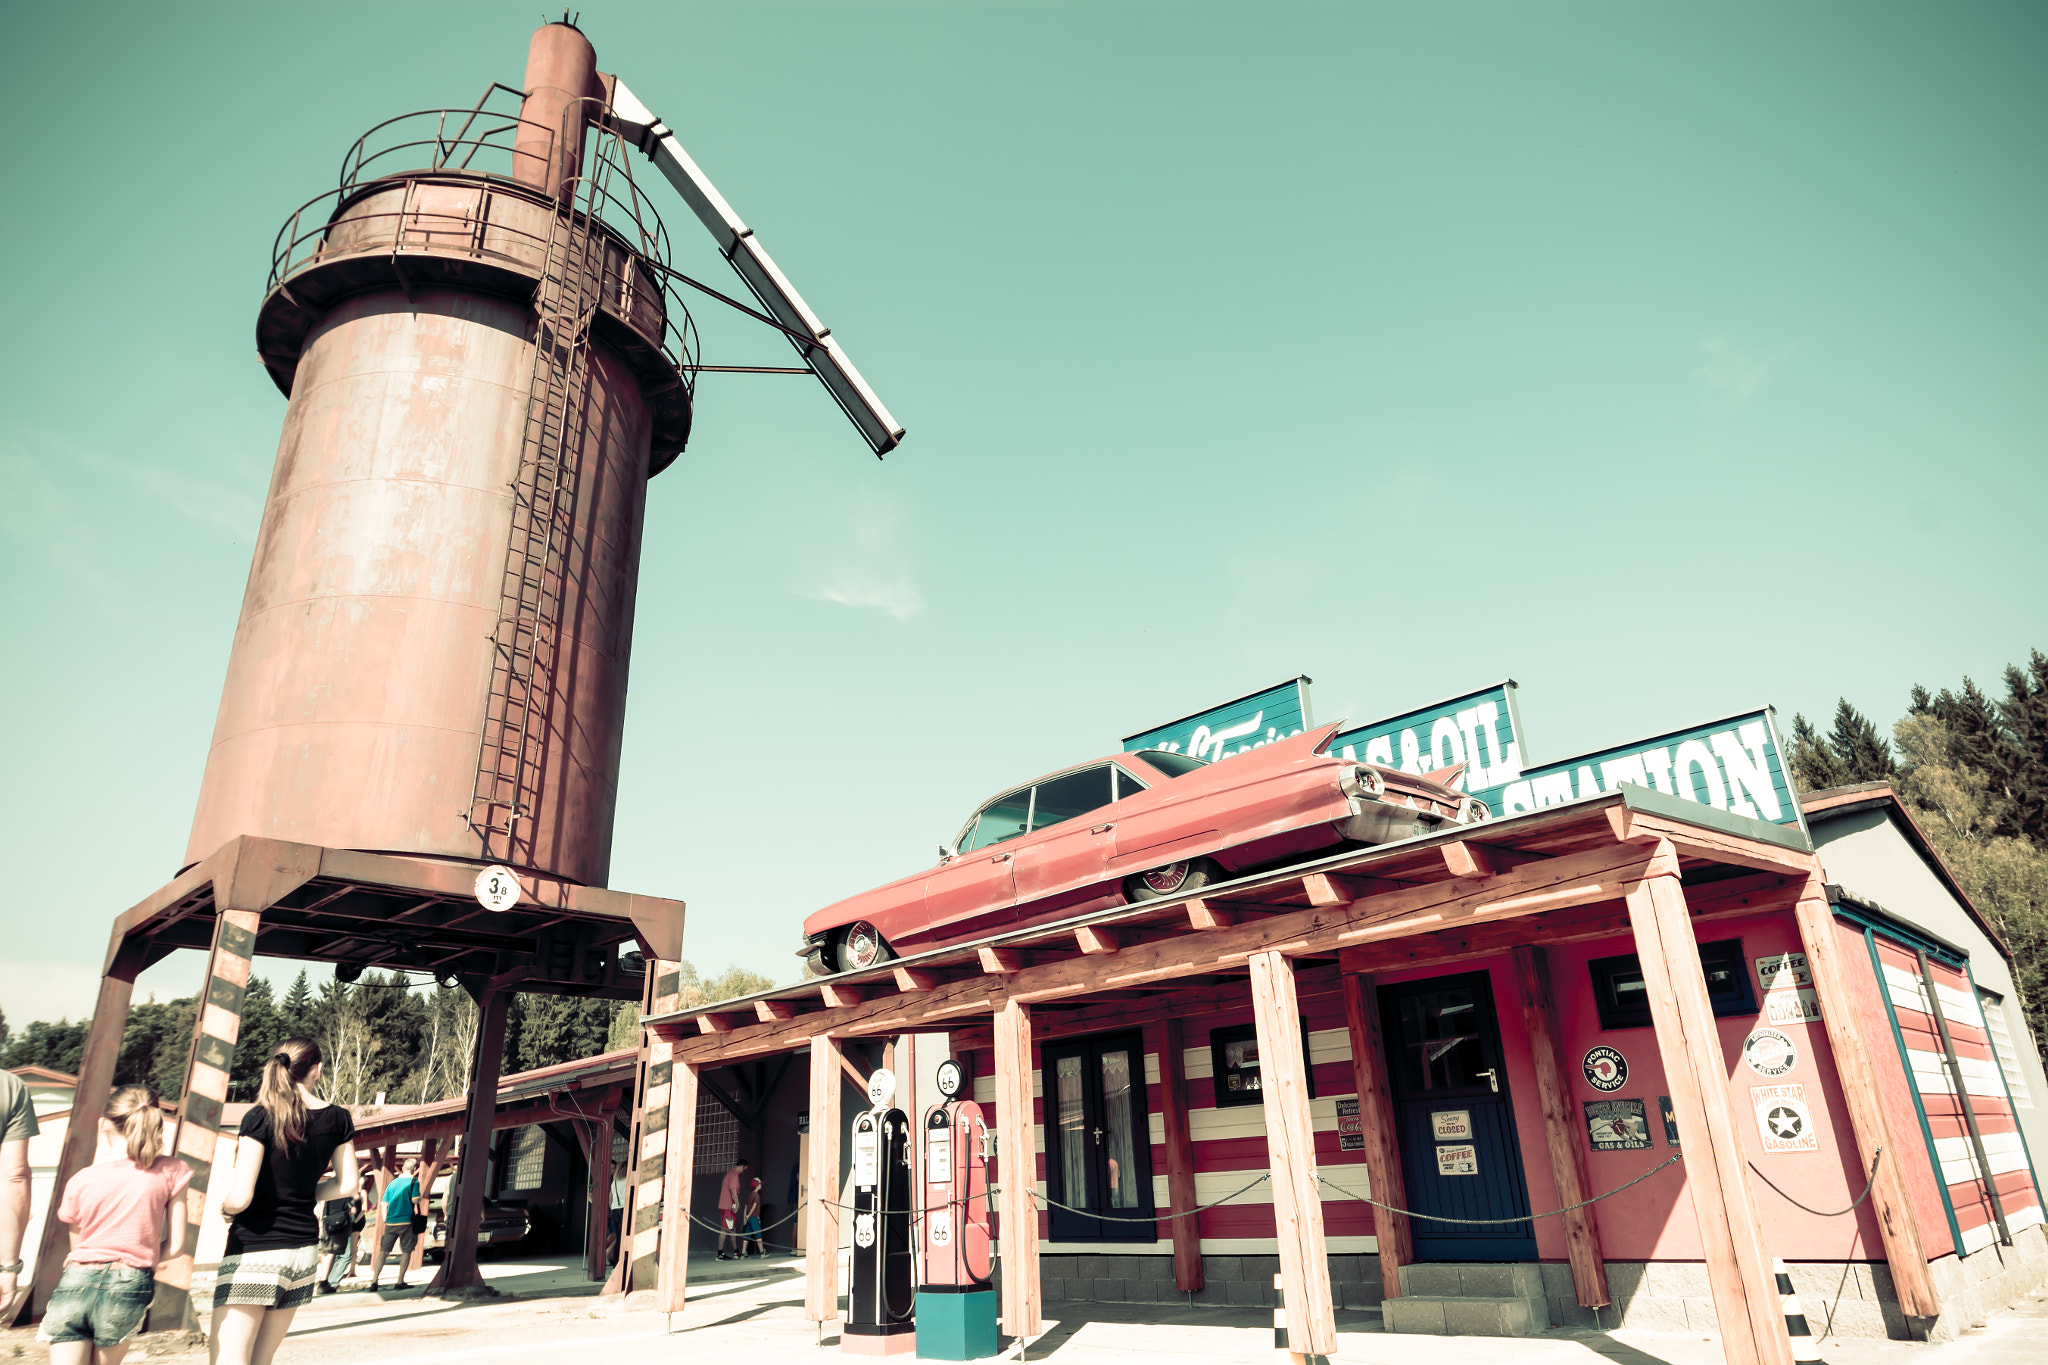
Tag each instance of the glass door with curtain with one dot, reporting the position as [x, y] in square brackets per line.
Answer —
[1098, 1139]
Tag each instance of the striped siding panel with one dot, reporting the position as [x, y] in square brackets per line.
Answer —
[1229, 1145]
[1954, 1154]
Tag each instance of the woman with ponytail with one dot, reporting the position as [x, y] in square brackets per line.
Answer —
[290, 1138]
[119, 1235]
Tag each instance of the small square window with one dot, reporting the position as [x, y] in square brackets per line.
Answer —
[1234, 1056]
[1624, 1002]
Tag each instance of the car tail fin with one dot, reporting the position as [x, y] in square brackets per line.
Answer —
[1446, 777]
[1322, 736]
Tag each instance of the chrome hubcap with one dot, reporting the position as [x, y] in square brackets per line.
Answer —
[1166, 880]
[863, 944]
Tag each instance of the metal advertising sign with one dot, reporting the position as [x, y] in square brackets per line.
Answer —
[1605, 1068]
[1783, 1118]
[1783, 971]
[1734, 765]
[1235, 727]
[1670, 1121]
[1791, 1007]
[1350, 1127]
[1769, 1052]
[1460, 1160]
[1617, 1125]
[1480, 729]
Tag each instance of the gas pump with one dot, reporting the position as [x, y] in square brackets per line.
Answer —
[879, 1309]
[956, 1303]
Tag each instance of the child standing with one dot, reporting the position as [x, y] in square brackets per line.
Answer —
[116, 1210]
[750, 1234]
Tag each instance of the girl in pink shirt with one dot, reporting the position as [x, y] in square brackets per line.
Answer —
[116, 1210]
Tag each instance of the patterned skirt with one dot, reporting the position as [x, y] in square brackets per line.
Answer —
[267, 1279]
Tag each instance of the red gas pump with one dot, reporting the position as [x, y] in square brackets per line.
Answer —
[956, 1302]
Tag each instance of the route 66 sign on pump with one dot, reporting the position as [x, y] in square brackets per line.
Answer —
[497, 889]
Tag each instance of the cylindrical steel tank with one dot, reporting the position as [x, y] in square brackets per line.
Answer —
[413, 516]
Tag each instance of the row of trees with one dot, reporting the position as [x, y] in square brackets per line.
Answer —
[385, 1037]
[1973, 769]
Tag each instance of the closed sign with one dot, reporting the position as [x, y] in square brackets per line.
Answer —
[1448, 1125]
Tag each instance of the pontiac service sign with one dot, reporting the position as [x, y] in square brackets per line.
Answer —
[1734, 765]
[1235, 727]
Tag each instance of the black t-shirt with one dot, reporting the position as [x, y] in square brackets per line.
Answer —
[281, 1213]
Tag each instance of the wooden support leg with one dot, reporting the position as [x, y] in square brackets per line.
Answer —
[212, 1056]
[1376, 1123]
[1017, 1172]
[458, 1257]
[821, 1178]
[640, 1234]
[1180, 1158]
[679, 1159]
[1291, 1150]
[95, 1077]
[1903, 1250]
[1738, 1263]
[1564, 1136]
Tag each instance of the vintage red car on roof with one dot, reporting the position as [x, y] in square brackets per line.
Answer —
[1132, 827]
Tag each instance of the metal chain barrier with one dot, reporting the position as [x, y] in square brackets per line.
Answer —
[1490, 1222]
[1047, 1199]
[1868, 1186]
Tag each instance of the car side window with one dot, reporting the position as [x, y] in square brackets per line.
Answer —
[1006, 817]
[1072, 795]
[1126, 785]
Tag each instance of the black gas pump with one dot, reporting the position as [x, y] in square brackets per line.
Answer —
[880, 1309]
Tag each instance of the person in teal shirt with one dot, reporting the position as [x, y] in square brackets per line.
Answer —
[399, 1198]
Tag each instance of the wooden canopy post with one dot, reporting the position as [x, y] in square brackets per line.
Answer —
[596, 1137]
[1564, 1136]
[430, 1170]
[1017, 1171]
[458, 1254]
[1291, 1149]
[1739, 1269]
[679, 1162]
[215, 1033]
[1376, 1123]
[821, 1218]
[1903, 1250]
[81, 1137]
[1180, 1158]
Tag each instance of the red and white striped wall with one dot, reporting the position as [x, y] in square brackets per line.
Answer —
[1954, 1156]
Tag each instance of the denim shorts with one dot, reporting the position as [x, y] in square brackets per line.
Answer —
[102, 1304]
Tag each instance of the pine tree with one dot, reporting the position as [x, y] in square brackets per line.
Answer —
[297, 1007]
[1861, 749]
[2025, 713]
[263, 1029]
[1814, 765]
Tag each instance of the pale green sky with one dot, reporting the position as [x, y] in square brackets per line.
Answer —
[1669, 359]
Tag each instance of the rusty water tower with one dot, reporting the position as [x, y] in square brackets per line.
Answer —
[487, 359]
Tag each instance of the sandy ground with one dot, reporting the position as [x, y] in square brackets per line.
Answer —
[754, 1314]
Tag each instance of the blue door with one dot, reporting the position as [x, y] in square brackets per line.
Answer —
[1456, 1125]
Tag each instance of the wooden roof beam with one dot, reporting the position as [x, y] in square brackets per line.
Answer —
[1204, 915]
[840, 997]
[1001, 961]
[910, 980]
[1465, 858]
[1341, 888]
[1097, 940]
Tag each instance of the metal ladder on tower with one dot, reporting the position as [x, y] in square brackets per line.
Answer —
[518, 713]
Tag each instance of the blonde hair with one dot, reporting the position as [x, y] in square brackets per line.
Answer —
[286, 1070]
[135, 1114]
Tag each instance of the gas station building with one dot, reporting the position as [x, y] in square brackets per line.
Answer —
[1759, 1039]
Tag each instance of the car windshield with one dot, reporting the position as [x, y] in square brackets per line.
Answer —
[1172, 765]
